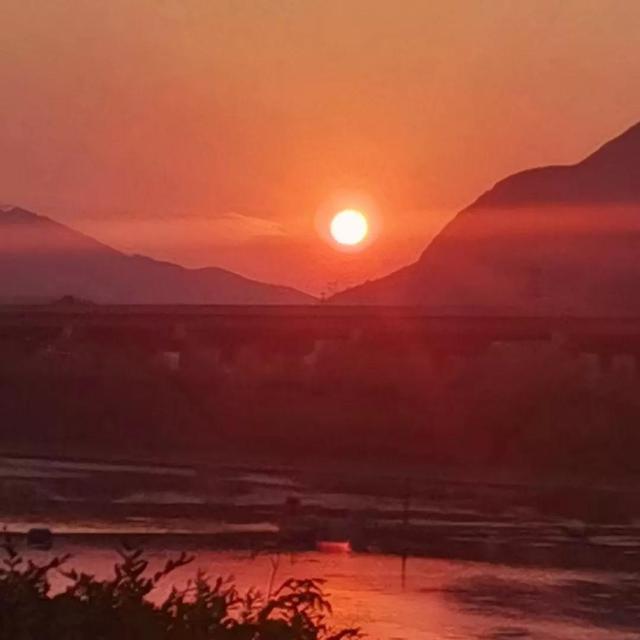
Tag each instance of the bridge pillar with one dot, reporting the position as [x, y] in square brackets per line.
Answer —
[67, 331]
[311, 358]
[172, 356]
[595, 365]
[171, 360]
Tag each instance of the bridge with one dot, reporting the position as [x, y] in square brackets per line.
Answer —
[299, 328]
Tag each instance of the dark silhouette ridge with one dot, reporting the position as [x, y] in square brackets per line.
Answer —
[551, 240]
[43, 260]
[610, 174]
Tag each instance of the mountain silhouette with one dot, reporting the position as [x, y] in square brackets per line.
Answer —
[550, 240]
[42, 260]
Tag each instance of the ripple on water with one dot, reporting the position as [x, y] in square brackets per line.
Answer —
[441, 600]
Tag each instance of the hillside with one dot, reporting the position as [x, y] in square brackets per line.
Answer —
[558, 239]
[43, 260]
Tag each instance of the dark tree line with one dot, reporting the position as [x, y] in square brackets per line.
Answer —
[535, 407]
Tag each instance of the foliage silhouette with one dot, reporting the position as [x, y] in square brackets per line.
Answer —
[119, 608]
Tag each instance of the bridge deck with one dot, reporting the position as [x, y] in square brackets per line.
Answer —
[318, 321]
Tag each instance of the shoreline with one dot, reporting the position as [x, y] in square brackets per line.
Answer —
[577, 554]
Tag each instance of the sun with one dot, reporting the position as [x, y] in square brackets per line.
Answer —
[349, 227]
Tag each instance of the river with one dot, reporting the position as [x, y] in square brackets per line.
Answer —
[440, 599]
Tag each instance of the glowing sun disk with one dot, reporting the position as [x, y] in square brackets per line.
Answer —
[349, 227]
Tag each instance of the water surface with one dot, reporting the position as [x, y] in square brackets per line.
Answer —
[440, 599]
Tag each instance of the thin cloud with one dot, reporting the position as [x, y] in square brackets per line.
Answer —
[248, 227]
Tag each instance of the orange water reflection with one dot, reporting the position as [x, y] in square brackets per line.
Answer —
[442, 599]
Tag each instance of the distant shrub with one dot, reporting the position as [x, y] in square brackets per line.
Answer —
[119, 609]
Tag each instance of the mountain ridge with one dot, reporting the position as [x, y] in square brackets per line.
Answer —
[557, 239]
[43, 259]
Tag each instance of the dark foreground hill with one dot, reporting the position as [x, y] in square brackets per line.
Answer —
[558, 239]
[43, 260]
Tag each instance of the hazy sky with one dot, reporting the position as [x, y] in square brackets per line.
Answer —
[217, 131]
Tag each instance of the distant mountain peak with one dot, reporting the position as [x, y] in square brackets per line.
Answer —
[43, 259]
[609, 174]
[555, 239]
[623, 148]
[12, 213]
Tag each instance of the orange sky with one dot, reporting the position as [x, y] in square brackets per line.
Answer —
[212, 132]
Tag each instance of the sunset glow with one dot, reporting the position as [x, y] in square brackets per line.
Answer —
[353, 284]
[349, 227]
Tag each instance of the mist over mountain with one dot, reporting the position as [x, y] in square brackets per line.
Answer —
[556, 240]
[42, 260]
